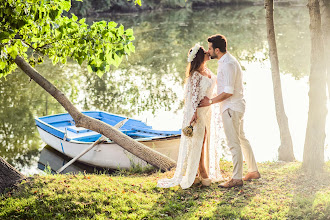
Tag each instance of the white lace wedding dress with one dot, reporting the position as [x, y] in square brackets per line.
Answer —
[197, 87]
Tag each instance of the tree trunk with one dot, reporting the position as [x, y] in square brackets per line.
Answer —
[313, 159]
[285, 151]
[9, 176]
[145, 153]
[325, 17]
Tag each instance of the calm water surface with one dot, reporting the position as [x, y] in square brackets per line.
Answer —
[149, 85]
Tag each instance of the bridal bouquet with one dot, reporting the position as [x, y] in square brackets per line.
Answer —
[188, 131]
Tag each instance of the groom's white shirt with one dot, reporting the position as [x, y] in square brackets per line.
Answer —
[229, 80]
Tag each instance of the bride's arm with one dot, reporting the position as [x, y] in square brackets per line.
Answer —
[195, 89]
[194, 118]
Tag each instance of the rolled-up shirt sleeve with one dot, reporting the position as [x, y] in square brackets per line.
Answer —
[229, 77]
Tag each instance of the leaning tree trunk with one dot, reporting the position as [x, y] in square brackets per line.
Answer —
[8, 175]
[325, 17]
[149, 155]
[285, 151]
[313, 159]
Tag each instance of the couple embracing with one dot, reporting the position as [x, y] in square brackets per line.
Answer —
[199, 153]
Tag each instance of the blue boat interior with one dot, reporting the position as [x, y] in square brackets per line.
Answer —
[63, 126]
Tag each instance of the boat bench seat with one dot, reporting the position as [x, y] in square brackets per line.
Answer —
[86, 135]
[128, 131]
[77, 130]
[142, 134]
[88, 138]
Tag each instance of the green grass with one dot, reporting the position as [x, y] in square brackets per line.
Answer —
[284, 192]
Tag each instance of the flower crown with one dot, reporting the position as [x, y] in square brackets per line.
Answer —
[193, 53]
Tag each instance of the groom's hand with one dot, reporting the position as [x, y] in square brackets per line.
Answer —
[204, 102]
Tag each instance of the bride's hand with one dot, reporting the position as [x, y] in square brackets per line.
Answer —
[194, 118]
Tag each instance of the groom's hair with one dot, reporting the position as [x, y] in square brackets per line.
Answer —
[218, 41]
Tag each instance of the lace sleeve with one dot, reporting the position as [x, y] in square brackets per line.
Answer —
[195, 90]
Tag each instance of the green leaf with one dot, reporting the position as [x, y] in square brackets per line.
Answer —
[36, 16]
[53, 14]
[121, 30]
[12, 51]
[112, 24]
[131, 47]
[2, 65]
[66, 5]
[116, 59]
[80, 60]
[99, 73]
[74, 18]
[21, 23]
[4, 35]
[82, 21]
[89, 68]
[138, 2]
[102, 56]
[129, 32]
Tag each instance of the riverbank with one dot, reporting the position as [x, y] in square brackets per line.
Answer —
[284, 192]
[92, 8]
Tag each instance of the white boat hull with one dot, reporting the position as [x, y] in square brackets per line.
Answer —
[111, 155]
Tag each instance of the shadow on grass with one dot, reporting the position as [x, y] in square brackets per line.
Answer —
[199, 202]
[311, 195]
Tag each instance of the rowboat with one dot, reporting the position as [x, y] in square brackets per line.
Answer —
[59, 132]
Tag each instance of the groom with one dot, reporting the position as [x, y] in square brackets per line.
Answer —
[232, 107]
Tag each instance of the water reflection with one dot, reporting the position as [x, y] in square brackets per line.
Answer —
[21, 100]
[51, 160]
[127, 92]
[149, 85]
[163, 38]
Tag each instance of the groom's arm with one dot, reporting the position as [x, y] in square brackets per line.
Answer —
[228, 84]
[223, 96]
[205, 102]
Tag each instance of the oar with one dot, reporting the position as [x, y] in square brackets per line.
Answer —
[100, 140]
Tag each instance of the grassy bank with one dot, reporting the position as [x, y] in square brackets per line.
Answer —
[284, 192]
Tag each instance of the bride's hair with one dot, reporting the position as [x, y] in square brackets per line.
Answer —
[196, 63]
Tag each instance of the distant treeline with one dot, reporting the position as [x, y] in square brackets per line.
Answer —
[92, 7]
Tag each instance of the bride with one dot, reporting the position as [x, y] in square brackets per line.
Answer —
[199, 155]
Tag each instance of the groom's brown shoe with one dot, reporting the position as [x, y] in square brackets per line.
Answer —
[252, 175]
[231, 183]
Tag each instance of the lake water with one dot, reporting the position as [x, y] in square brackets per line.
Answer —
[149, 85]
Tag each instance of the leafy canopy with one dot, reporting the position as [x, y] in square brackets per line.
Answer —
[36, 28]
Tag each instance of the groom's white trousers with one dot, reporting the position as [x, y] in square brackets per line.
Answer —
[237, 142]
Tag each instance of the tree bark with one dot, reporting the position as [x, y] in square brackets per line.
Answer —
[145, 153]
[285, 151]
[325, 18]
[313, 159]
[9, 176]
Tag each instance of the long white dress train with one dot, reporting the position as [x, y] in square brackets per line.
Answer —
[208, 120]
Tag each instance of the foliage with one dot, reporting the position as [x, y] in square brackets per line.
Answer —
[36, 28]
[284, 192]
